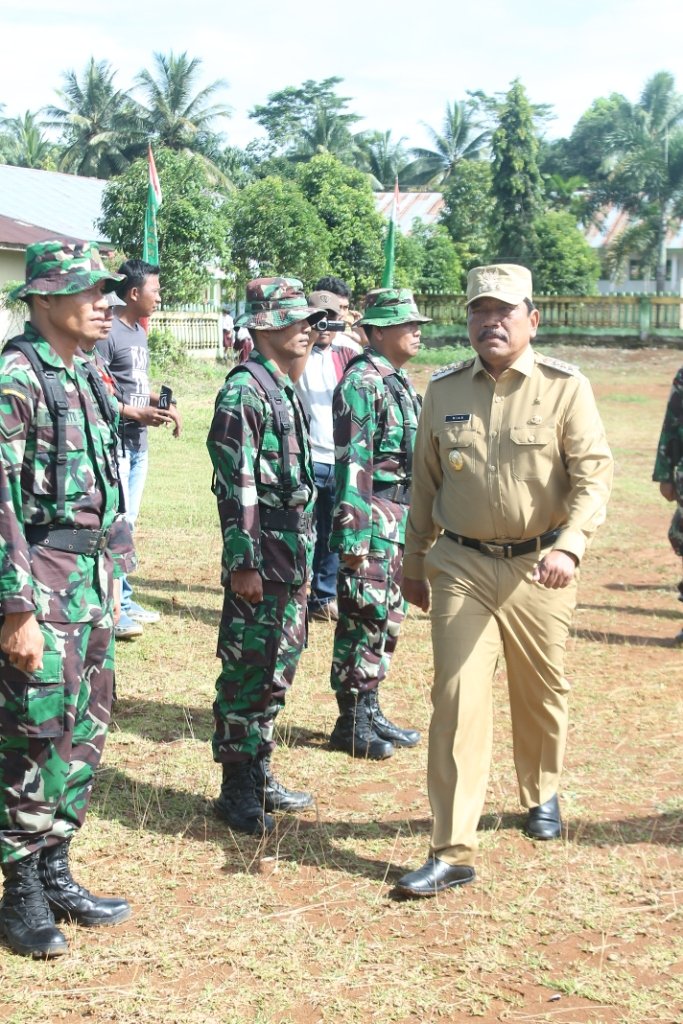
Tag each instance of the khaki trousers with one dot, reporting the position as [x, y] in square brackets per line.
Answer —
[477, 602]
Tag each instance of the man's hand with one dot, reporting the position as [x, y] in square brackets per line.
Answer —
[148, 415]
[177, 420]
[555, 570]
[667, 490]
[117, 601]
[417, 592]
[22, 641]
[247, 583]
[353, 562]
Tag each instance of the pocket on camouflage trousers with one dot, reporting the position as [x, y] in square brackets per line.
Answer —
[364, 591]
[44, 699]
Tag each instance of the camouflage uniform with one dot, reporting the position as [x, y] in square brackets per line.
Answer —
[669, 461]
[375, 412]
[259, 645]
[370, 440]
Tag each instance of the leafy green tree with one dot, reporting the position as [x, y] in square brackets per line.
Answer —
[645, 169]
[467, 211]
[516, 181]
[384, 160]
[564, 264]
[100, 124]
[441, 271]
[25, 144]
[175, 112]
[461, 138]
[275, 230]
[308, 119]
[343, 199]
[192, 222]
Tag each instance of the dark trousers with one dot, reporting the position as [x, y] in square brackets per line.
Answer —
[325, 562]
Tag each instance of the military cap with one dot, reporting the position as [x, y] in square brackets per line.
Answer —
[325, 300]
[64, 268]
[276, 302]
[508, 282]
[385, 307]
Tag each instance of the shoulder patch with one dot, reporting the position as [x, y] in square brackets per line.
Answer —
[15, 393]
[452, 368]
[558, 364]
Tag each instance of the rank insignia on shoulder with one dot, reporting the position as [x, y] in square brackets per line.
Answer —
[452, 368]
[558, 364]
[15, 393]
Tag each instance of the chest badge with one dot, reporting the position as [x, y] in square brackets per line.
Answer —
[456, 460]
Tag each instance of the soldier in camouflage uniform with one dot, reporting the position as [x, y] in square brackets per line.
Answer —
[375, 413]
[668, 471]
[61, 539]
[264, 485]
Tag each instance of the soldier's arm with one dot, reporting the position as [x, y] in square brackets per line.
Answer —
[355, 413]
[17, 403]
[233, 442]
[670, 445]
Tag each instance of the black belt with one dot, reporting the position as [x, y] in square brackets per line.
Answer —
[494, 550]
[399, 493]
[288, 519]
[79, 540]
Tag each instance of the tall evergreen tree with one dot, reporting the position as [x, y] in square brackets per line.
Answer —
[516, 185]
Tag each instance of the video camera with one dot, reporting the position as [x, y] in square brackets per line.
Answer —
[330, 325]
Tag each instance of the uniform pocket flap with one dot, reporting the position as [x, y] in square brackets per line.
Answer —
[531, 435]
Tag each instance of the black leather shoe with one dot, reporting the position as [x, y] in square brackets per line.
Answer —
[26, 921]
[277, 797]
[544, 821]
[387, 730]
[70, 901]
[434, 876]
[353, 732]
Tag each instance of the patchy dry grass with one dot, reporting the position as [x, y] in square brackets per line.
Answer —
[302, 929]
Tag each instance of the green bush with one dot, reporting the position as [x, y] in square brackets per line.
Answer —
[165, 350]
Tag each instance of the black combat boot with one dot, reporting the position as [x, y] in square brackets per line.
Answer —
[385, 729]
[274, 795]
[353, 732]
[239, 801]
[26, 920]
[69, 900]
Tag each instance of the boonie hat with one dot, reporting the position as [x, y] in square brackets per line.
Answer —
[276, 302]
[385, 307]
[325, 300]
[508, 282]
[63, 268]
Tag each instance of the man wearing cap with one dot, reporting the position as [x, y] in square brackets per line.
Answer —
[375, 415]
[512, 475]
[264, 485]
[62, 541]
[332, 351]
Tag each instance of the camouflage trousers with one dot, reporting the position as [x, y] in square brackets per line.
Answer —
[371, 610]
[259, 646]
[52, 731]
[676, 528]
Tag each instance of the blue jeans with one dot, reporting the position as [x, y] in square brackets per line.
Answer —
[325, 562]
[133, 470]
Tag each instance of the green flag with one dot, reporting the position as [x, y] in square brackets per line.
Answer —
[150, 248]
[390, 244]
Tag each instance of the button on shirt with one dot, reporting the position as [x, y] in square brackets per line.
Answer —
[508, 459]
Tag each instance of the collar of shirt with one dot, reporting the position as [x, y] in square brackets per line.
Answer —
[381, 362]
[524, 363]
[45, 350]
[281, 378]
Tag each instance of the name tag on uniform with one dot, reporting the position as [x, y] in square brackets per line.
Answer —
[458, 417]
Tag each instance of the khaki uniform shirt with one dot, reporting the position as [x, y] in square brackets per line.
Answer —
[509, 459]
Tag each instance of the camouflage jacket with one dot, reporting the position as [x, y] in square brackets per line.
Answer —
[249, 478]
[58, 586]
[669, 461]
[370, 451]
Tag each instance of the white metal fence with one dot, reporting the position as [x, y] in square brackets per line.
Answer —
[199, 332]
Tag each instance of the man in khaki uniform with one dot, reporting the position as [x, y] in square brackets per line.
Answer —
[511, 477]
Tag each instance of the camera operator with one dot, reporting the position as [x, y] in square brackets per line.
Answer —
[332, 350]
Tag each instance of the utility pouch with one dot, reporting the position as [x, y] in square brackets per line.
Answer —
[44, 704]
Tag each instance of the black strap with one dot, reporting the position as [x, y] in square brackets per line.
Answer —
[289, 520]
[58, 408]
[78, 540]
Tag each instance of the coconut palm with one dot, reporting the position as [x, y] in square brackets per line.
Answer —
[644, 167]
[460, 138]
[384, 160]
[24, 142]
[100, 124]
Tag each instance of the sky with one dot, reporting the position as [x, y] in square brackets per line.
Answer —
[401, 62]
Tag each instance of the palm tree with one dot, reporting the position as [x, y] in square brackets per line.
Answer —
[100, 124]
[459, 139]
[25, 144]
[180, 118]
[644, 168]
[384, 160]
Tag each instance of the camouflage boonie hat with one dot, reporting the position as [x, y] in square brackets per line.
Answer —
[508, 282]
[386, 307]
[63, 268]
[276, 302]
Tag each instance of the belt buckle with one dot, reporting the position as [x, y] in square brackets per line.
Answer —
[494, 550]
